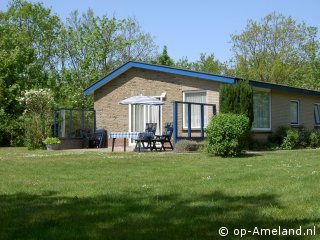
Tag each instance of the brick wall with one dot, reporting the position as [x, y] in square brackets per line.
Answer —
[115, 117]
[280, 111]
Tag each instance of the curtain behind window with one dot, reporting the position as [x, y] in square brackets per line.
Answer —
[198, 97]
[261, 110]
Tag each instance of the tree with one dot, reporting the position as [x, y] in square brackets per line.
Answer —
[37, 116]
[26, 57]
[40, 27]
[206, 63]
[275, 50]
[164, 58]
[237, 99]
[38, 51]
[92, 46]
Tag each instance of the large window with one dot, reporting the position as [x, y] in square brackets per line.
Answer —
[294, 112]
[317, 113]
[261, 110]
[198, 97]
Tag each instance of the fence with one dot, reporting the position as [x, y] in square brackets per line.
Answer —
[193, 120]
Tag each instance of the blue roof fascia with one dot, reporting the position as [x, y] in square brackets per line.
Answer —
[183, 72]
[165, 69]
[107, 78]
[284, 88]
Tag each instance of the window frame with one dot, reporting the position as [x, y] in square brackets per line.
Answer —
[255, 89]
[298, 113]
[314, 114]
[185, 127]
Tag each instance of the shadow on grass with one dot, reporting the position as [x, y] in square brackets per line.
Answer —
[141, 215]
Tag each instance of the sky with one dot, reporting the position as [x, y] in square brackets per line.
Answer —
[187, 27]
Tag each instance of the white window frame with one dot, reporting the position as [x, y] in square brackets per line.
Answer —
[298, 104]
[270, 110]
[184, 106]
[315, 123]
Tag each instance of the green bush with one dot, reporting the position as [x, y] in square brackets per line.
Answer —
[314, 140]
[304, 137]
[37, 117]
[291, 139]
[279, 135]
[237, 98]
[227, 134]
[51, 140]
[186, 146]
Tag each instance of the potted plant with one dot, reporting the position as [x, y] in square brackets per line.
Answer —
[52, 143]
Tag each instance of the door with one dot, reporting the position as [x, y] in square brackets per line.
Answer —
[139, 115]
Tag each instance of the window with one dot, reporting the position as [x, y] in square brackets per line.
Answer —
[261, 110]
[294, 112]
[317, 113]
[198, 97]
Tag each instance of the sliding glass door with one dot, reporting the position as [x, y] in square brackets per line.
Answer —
[139, 115]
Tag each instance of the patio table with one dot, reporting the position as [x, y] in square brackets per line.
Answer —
[124, 135]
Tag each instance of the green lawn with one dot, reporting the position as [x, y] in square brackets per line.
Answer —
[95, 195]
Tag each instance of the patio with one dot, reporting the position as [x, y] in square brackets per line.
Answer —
[76, 128]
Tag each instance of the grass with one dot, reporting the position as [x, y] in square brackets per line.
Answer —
[95, 195]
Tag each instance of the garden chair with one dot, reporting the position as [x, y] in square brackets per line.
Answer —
[95, 140]
[146, 136]
[164, 139]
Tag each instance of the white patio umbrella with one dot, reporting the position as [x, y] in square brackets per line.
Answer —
[141, 100]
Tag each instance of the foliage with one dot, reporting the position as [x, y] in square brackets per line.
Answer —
[11, 130]
[206, 63]
[164, 58]
[290, 140]
[279, 135]
[38, 50]
[51, 140]
[278, 49]
[227, 134]
[37, 116]
[237, 98]
[303, 137]
[314, 140]
[186, 146]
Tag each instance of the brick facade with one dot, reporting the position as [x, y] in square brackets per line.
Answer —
[280, 111]
[115, 117]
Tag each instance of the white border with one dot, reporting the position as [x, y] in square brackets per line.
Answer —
[295, 124]
[270, 109]
[144, 109]
[183, 106]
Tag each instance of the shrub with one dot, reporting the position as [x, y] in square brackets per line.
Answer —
[186, 146]
[290, 140]
[304, 137]
[37, 117]
[279, 135]
[227, 134]
[51, 140]
[238, 99]
[314, 139]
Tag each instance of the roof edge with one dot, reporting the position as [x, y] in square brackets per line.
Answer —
[166, 69]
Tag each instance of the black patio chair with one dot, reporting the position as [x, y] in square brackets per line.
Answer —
[163, 139]
[95, 140]
[146, 136]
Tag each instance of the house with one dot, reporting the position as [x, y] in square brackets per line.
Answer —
[274, 105]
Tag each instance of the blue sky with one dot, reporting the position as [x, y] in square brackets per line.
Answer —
[187, 27]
